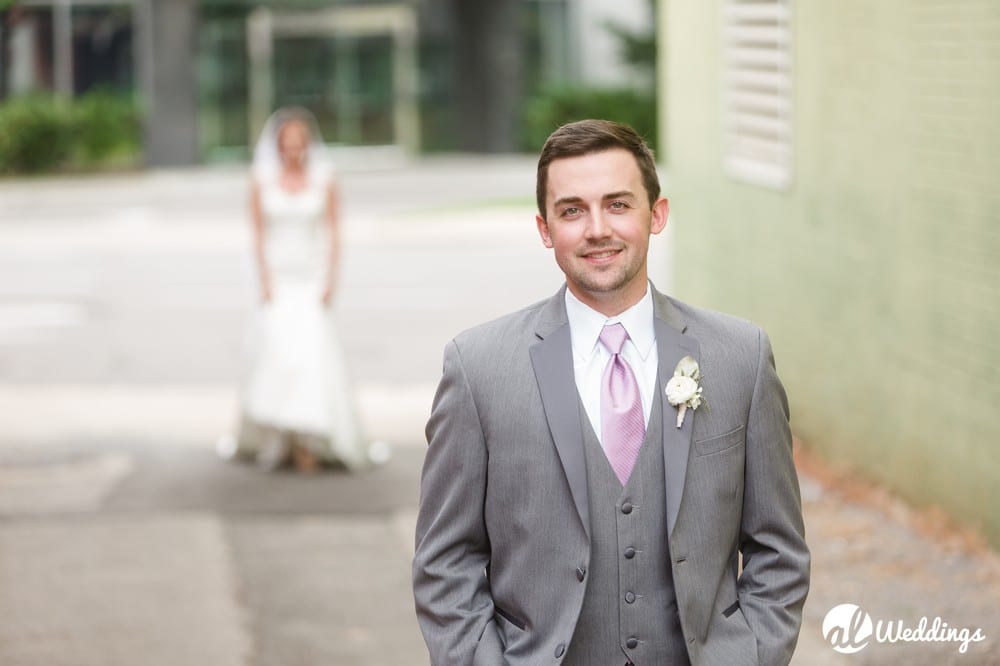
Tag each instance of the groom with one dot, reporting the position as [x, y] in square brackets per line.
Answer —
[572, 510]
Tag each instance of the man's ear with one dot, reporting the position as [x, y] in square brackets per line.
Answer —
[543, 231]
[661, 210]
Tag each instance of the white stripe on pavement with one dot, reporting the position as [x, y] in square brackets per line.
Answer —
[66, 486]
[181, 414]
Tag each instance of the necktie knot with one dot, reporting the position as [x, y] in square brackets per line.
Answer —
[613, 337]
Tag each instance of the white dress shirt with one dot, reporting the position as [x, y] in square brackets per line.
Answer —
[590, 357]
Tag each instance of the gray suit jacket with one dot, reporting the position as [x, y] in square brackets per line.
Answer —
[503, 525]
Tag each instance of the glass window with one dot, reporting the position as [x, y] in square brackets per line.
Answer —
[222, 74]
[102, 49]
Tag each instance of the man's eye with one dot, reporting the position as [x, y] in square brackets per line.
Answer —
[571, 212]
[618, 205]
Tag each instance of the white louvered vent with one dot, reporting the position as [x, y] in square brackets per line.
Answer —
[757, 128]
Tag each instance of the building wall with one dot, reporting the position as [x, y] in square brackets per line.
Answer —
[877, 274]
[597, 51]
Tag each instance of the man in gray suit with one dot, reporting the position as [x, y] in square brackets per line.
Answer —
[600, 461]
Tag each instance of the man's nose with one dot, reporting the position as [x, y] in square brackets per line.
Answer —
[597, 226]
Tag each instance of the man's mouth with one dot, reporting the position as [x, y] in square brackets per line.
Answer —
[601, 255]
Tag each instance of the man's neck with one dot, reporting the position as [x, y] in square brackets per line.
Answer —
[612, 304]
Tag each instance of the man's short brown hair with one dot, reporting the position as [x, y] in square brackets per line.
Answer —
[594, 136]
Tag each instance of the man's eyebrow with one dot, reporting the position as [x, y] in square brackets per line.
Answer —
[623, 194]
[567, 200]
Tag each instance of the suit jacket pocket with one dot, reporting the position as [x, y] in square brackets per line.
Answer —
[490, 648]
[717, 443]
[510, 619]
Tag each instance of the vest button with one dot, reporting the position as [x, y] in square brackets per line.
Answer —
[627, 508]
[581, 573]
[632, 643]
[629, 597]
[629, 553]
[560, 650]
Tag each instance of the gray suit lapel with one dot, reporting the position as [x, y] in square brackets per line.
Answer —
[672, 345]
[552, 359]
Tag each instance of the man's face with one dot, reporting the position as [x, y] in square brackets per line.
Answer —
[598, 221]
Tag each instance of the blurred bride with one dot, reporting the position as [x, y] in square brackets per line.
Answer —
[297, 404]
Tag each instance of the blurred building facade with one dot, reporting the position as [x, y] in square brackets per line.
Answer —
[430, 74]
[833, 173]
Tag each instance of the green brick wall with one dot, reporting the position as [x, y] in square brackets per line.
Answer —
[877, 273]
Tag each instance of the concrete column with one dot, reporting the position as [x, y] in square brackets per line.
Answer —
[488, 51]
[62, 47]
[169, 31]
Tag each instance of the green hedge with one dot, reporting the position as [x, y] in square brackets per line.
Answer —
[35, 134]
[44, 133]
[107, 127]
[547, 111]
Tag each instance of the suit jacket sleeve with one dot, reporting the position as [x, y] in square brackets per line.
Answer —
[452, 595]
[775, 577]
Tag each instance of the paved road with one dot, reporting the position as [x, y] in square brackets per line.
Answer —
[123, 305]
[124, 541]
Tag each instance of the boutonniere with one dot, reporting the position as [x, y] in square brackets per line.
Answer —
[683, 390]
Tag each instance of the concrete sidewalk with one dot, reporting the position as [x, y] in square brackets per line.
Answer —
[897, 564]
[186, 560]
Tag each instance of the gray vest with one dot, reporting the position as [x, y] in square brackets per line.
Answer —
[629, 612]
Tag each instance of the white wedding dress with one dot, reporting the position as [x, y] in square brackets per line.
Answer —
[297, 382]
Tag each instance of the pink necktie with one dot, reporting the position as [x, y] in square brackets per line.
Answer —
[622, 425]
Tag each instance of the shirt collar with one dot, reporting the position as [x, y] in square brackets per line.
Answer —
[585, 325]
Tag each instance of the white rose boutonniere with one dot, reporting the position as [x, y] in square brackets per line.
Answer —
[683, 389]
